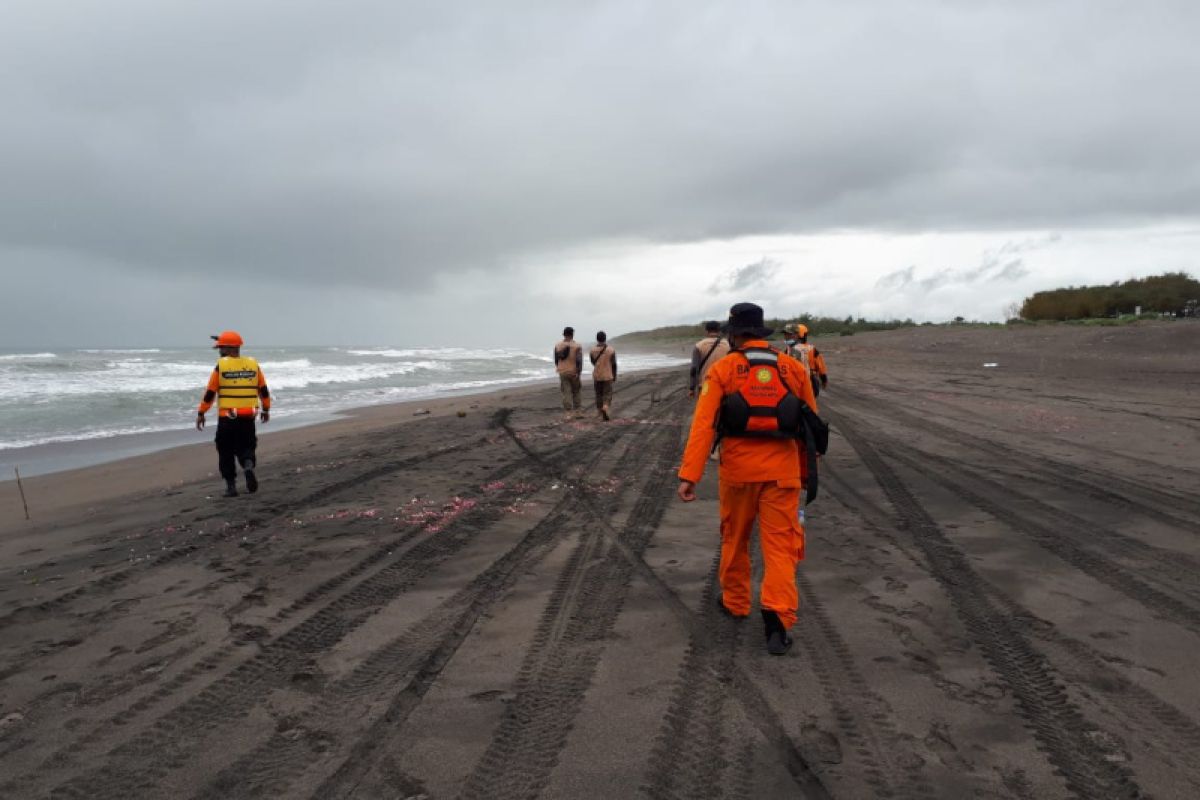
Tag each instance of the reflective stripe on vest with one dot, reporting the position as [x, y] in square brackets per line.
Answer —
[803, 353]
[238, 387]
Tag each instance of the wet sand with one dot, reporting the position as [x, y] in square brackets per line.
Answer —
[1001, 597]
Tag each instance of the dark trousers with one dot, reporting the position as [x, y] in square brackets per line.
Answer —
[236, 441]
[604, 391]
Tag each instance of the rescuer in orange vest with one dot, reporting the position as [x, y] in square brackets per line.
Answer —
[795, 338]
[752, 398]
[239, 388]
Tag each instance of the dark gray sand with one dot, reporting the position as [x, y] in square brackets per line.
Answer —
[1001, 597]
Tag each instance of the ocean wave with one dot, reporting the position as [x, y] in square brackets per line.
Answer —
[27, 356]
[47, 397]
[444, 353]
[85, 435]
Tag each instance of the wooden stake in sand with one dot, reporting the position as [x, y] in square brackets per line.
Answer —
[21, 489]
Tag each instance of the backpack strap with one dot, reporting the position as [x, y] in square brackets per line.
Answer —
[704, 360]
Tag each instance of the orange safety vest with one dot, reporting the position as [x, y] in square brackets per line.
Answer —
[761, 406]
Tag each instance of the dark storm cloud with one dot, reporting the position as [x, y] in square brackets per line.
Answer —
[384, 143]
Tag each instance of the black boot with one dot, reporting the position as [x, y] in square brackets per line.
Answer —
[778, 641]
[230, 489]
[251, 478]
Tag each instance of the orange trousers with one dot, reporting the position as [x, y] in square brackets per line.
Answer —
[776, 505]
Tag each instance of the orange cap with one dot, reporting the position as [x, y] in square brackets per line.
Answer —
[802, 329]
[228, 339]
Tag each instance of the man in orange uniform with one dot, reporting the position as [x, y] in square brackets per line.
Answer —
[795, 340]
[760, 476]
[238, 386]
[817, 365]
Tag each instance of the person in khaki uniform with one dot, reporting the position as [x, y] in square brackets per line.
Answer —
[568, 361]
[604, 373]
[708, 351]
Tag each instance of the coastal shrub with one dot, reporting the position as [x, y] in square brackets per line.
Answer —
[1169, 293]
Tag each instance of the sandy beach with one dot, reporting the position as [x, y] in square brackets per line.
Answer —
[1001, 597]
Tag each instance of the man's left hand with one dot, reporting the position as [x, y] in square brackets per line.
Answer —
[687, 491]
[265, 416]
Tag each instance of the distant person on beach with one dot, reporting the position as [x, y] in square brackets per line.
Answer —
[238, 387]
[708, 351]
[568, 361]
[604, 373]
[752, 395]
[795, 340]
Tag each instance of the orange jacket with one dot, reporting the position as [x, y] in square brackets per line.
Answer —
[819, 363]
[744, 460]
[816, 361]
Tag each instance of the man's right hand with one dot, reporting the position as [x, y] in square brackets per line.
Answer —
[199, 422]
[687, 491]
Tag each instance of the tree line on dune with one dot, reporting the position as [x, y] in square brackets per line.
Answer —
[1173, 293]
[817, 326]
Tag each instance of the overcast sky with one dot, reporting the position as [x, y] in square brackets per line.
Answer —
[445, 173]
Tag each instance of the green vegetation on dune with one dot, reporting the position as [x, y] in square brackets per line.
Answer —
[817, 326]
[1171, 293]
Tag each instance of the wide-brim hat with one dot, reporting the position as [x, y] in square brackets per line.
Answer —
[747, 318]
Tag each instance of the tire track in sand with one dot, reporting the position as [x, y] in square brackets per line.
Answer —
[392, 549]
[103, 731]
[405, 668]
[1059, 542]
[694, 756]
[164, 746]
[1148, 500]
[1137, 709]
[1069, 741]
[569, 641]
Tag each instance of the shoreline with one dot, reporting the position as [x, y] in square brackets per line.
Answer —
[134, 466]
[65, 456]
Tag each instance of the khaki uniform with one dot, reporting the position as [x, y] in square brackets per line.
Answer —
[604, 375]
[707, 352]
[568, 361]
